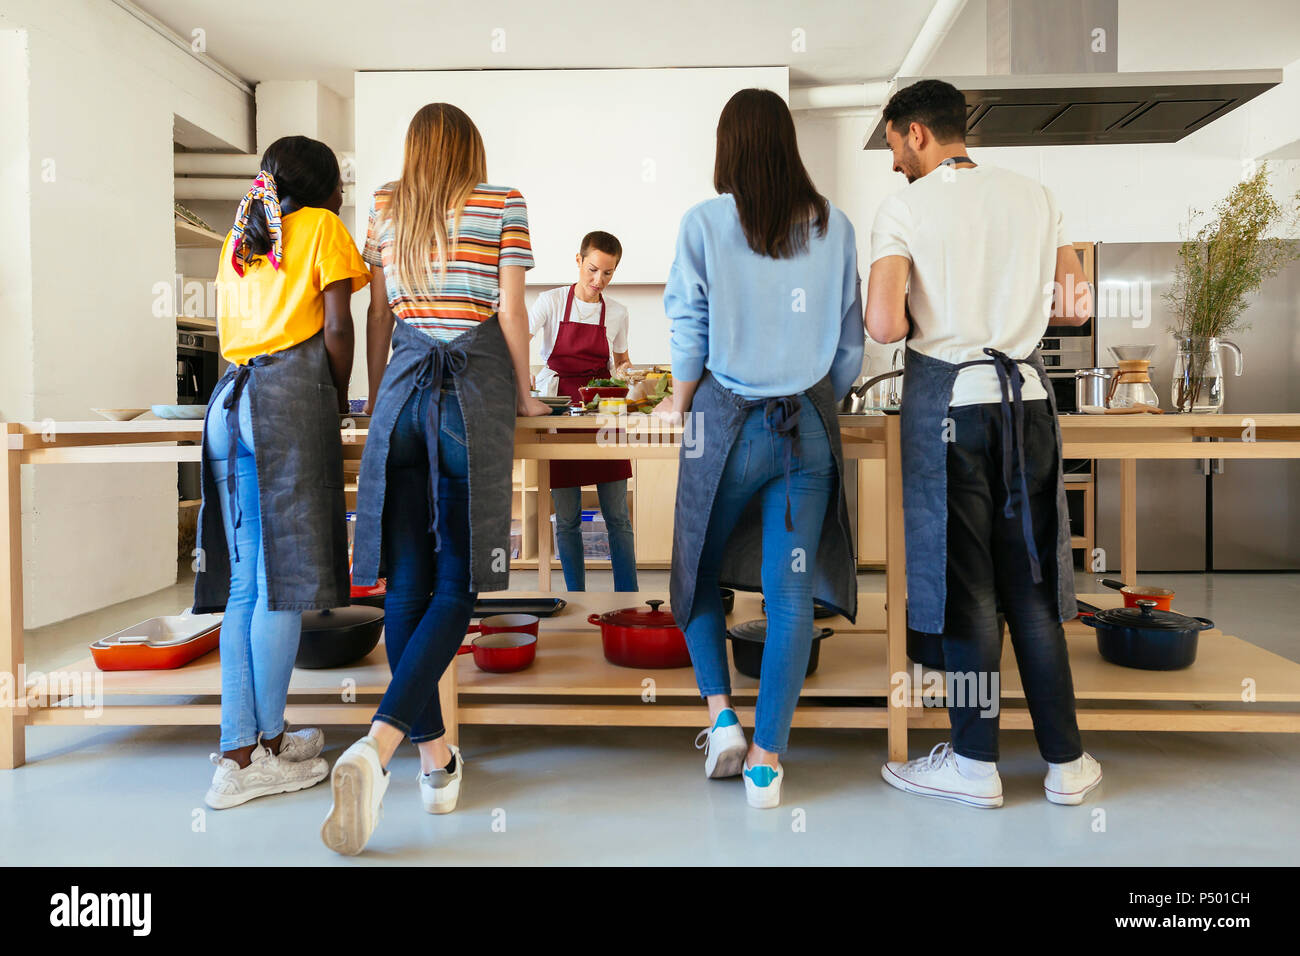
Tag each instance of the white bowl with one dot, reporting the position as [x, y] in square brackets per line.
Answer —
[120, 414]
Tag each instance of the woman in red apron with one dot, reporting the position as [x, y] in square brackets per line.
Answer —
[581, 353]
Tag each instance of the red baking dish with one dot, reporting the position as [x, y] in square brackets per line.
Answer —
[160, 643]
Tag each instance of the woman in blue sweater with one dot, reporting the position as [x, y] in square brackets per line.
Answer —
[767, 337]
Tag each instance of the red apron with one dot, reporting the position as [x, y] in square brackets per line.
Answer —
[581, 353]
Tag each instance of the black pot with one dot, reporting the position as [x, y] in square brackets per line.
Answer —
[747, 642]
[1146, 638]
[338, 636]
[927, 649]
[728, 600]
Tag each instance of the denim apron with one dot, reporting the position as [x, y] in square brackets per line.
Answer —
[299, 452]
[927, 392]
[480, 368]
[717, 414]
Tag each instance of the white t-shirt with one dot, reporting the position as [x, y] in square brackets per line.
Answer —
[982, 242]
[545, 315]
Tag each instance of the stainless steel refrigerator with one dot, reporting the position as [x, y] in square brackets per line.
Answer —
[1245, 515]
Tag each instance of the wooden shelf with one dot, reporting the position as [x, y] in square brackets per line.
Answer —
[570, 662]
[196, 323]
[190, 236]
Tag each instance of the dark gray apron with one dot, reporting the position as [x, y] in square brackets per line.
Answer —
[718, 414]
[478, 363]
[299, 452]
[927, 392]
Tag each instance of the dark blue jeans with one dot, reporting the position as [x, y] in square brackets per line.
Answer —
[429, 603]
[988, 569]
[756, 468]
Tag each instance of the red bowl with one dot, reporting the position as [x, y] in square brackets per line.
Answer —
[504, 652]
[602, 391]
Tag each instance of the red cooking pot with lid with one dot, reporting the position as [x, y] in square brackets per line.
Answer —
[641, 637]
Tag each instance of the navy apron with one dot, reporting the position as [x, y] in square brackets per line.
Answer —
[715, 419]
[299, 452]
[479, 366]
[927, 393]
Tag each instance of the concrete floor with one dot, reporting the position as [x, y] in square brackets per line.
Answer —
[637, 795]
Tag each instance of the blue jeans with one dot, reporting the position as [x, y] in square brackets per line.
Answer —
[258, 646]
[756, 467]
[568, 534]
[429, 603]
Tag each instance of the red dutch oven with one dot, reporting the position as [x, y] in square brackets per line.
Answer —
[636, 637]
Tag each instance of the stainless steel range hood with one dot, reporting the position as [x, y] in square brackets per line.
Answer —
[1084, 100]
[1071, 109]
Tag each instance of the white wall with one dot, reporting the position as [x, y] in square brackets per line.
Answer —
[102, 91]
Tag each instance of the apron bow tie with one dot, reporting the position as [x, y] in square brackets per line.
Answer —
[1011, 380]
[441, 360]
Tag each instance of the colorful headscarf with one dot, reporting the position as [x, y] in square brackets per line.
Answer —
[264, 191]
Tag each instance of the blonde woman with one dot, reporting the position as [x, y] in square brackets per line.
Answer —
[447, 253]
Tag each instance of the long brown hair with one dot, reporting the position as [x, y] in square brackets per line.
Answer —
[442, 162]
[758, 163]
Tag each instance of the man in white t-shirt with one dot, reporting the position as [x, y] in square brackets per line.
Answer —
[970, 263]
[583, 336]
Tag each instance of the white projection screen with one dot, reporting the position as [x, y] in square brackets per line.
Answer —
[627, 151]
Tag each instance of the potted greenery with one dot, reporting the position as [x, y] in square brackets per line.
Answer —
[1220, 266]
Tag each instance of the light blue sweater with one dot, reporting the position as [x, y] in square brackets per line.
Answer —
[764, 327]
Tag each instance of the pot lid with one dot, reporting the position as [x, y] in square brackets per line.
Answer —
[1147, 616]
[756, 631]
[649, 616]
[337, 618]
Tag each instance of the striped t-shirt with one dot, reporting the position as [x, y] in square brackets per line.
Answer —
[493, 233]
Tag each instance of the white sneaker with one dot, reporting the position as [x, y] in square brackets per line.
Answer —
[1068, 784]
[301, 744]
[358, 784]
[763, 785]
[937, 776]
[265, 774]
[723, 745]
[440, 790]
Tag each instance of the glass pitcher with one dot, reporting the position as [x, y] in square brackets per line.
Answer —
[1198, 373]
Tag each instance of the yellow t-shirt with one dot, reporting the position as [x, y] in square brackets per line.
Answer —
[269, 310]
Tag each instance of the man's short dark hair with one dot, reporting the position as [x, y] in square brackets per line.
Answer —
[936, 105]
[601, 242]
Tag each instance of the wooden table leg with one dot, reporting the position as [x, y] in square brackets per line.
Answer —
[449, 699]
[543, 524]
[895, 585]
[13, 717]
[1128, 549]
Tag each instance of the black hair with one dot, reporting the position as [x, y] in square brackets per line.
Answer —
[306, 173]
[936, 105]
[601, 242]
[757, 161]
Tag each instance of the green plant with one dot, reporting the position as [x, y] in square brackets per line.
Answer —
[1223, 263]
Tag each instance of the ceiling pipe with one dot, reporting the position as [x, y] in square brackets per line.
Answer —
[871, 96]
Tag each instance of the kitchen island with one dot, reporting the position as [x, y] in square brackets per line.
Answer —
[864, 681]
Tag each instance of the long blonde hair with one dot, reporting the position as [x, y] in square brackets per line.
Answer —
[442, 162]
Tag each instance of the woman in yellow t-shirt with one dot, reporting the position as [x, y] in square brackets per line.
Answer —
[272, 534]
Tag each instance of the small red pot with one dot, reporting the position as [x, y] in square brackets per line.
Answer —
[502, 652]
[637, 637]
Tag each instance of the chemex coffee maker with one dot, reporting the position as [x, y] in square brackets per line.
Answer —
[1131, 389]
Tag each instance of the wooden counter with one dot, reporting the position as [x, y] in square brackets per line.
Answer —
[571, 683]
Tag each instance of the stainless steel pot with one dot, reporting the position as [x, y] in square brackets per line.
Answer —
[1091, 386]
